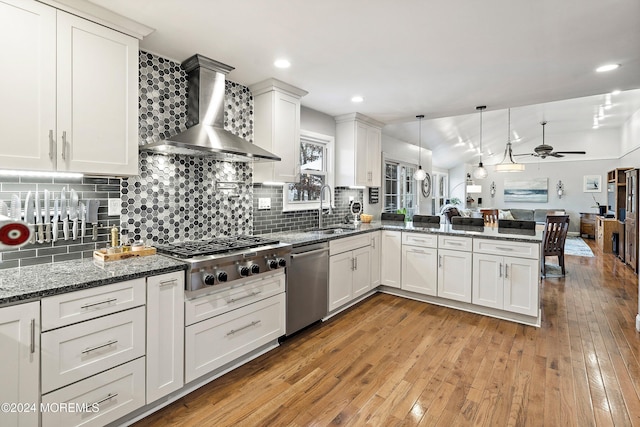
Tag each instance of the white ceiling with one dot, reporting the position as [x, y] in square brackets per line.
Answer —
[439, 58]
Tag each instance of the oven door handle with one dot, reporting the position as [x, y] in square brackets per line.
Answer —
[304, 254]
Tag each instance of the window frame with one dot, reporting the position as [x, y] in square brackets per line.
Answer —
[400, 182]
[316, 138]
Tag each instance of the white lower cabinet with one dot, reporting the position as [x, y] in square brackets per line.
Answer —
[20, 362]
[420, 270]
[77, 351]
[349, 271]
[97, 400]
[165, 334]
[391, 259]
[506, 283]
[214, 342]
[506, 275]
[454, 275]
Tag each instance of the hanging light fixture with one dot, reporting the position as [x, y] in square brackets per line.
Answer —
[480, 172]
[420, 174]
[508, 164]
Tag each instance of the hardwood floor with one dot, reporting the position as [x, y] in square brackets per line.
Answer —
[393, 361]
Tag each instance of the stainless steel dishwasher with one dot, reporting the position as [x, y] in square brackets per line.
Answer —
[307, 285]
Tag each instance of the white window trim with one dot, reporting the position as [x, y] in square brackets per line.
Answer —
[387, 159]
[329, 141]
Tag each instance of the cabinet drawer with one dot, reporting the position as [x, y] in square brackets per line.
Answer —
[222, 339]
[420, 239]
[349, 243]
[501, 247]
[73, 307]
[203, 308]
[75, 352]
[100, 399]
[455, 243]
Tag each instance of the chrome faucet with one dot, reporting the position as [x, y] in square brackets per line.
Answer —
[320, 222]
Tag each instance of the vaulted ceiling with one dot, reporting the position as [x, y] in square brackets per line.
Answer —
[439, 58]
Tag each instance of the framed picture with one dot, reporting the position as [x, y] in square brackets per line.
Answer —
[532, 190]
[592, 184]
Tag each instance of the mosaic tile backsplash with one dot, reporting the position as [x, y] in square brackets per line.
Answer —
[186, 198]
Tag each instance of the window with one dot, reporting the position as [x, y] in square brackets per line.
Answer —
[400, 189]
[316, 169]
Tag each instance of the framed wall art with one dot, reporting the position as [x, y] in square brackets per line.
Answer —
[532, 190]
[592, 184]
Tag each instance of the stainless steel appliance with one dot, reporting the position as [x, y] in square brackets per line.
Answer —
[307, 286]
[223, 261]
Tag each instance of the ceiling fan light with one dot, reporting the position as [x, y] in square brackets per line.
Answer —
[508, 164]
[509, 167]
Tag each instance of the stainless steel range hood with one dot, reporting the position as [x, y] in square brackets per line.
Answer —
[205, 136]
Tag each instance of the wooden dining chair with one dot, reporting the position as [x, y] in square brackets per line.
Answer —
[450, 212]
[490, 216]
[553, 239]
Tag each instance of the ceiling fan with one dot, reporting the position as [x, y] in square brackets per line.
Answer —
[543, 150]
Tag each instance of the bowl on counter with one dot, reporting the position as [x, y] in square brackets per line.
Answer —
[366, 218]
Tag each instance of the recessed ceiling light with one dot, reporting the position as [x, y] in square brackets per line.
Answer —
[282, 63]
[357, 98]
[607, 67]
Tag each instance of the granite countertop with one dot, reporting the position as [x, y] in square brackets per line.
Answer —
[38, 281]
[299, 238]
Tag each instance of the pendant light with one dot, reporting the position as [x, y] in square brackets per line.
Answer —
[420, 174]
[480, 172]
[508, 164]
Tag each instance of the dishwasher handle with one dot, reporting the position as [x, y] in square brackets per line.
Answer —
[304, 254]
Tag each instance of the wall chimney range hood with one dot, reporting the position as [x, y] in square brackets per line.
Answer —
[205, 136]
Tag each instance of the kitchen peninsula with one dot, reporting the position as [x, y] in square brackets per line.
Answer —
[486, 270]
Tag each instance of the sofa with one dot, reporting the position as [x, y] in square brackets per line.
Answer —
[537, 215]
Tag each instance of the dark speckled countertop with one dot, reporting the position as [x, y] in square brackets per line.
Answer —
[299, 238]
[38, 281]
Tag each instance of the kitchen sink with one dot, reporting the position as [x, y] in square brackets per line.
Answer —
[333, 230]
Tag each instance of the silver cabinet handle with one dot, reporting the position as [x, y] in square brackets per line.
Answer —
[454, 243]
[356, 261]
[353, 265]
[501, 248]
[233, 331]
[373, 242]
[64, 144]
[51, 145]
[252, 294]
[506, 271]
[109, 397]
[169, 282]
[440, 261]
[33, 336]
[97, 347]
[500, 273]
[107, 301]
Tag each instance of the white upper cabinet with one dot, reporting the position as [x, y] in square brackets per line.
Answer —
[358, 151]
[277, 129]
[72, 89]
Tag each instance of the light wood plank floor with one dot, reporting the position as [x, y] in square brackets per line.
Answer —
[392, 361]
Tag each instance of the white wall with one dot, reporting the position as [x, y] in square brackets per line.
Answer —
[315, 121]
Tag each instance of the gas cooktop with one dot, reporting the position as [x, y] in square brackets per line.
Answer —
[218, 245]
